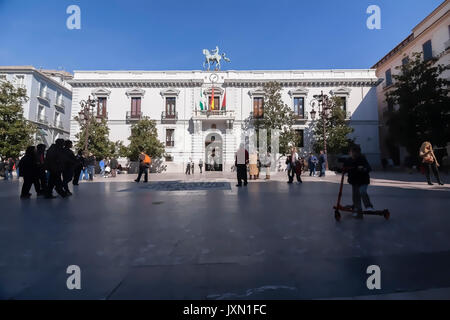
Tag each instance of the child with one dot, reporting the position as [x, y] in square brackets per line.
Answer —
[358, 177]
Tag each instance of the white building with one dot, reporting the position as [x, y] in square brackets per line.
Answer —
[50, 99]
[172, 98]
[430, 37]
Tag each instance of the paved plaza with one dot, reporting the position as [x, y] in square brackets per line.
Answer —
[200, 237]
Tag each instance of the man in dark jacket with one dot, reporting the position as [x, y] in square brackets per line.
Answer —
[241, 162]
[54, 162]
[41, 175]
[358, 169]
[322, 163]
[114, 164]
[79, 166]
[28, 170]
[144, 164]
[90, 165]
[69, 163]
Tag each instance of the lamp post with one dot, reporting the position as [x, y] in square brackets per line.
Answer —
[323, 106]
[85, 114]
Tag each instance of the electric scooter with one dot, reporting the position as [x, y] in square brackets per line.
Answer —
[338, 207]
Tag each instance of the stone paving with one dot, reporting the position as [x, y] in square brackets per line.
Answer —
[200, 237]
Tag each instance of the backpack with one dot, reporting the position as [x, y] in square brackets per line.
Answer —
[147, 159]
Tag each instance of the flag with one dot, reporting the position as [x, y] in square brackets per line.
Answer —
[201, 100]
[224, 102]
[212, 99]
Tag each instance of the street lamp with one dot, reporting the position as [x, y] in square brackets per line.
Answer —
[323, 106]
[85, 114]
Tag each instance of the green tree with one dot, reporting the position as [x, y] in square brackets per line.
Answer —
[98, 138]
[144, 136]
[16, 133]
[118, 149]
[422, 97]
[336, 129]
[277, 116]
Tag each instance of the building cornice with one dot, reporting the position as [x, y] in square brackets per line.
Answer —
[135, 83]
[305, 82]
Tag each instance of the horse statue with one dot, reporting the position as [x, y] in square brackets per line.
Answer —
[214, 57]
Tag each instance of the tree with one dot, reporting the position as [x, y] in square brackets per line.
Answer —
[98, 139]
[422, 97]
[144, 136]
[336, 129]
[118, 149]
[16, 133]
[277, 116]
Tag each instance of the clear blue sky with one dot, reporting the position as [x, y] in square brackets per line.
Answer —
[158, 35]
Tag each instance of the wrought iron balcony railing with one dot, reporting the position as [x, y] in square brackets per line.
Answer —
[42, 119]
[44, 95]
[134, 116]
[60, 104]
[58, 124]
[169, 115]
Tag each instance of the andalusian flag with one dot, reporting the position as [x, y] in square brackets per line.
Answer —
[201, 100]
[224, 102]
[212, 99]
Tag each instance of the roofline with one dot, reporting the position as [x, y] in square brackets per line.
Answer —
[222, 71]
[430, 15]
[31, 69]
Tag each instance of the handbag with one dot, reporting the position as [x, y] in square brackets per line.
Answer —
[428, 159]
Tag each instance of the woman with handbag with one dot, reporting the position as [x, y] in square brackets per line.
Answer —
[429, 162]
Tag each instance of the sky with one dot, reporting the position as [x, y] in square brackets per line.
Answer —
[170, 35]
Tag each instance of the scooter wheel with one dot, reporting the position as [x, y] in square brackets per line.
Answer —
[337, 215]
[386, 214]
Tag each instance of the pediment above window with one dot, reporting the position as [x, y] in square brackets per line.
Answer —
[342, 91]
[170, 92]
[217, 91]
[135, 92]
[298, 92]
[101, 92]
[257, 93]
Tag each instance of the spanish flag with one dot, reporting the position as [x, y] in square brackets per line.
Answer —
[224, 102]
[212, 99]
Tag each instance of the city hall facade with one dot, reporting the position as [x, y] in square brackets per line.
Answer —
[195, 110]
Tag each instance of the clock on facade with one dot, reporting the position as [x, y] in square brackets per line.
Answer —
[213, 77]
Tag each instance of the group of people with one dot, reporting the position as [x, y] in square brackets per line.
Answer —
[7, 167]
[48, 170]
[190, 166]
[317, 163]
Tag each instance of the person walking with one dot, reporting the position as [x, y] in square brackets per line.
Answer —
[101, 164]
[69, 163]
[200, 165]
[54, 162]
[358, 176]
[114, 164]
[90, 165]
[241, 161]
[9, 167]
[429, 162]
[41, 173]
[192, 166]
[312, 162]
[188, 168]
[253, 164]
[78, 169]
[144, 164]
[267, 164]
[322, 163]
[28, 170]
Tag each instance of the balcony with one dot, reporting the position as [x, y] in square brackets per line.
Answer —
[300, 118]
[42, 119]
[58, 124]
[169, 117]
[60, 104]
[213, 115]
[43, 95]
[101, 116]
[133, 116]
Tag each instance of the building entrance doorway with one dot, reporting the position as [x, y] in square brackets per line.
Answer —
[213, 152]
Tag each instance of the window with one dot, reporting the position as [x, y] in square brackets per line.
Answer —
[299, 107]
[41, 113]
[405, 61]
[57, 119]
[216, 103]
[59, 98]
[388, 77]
[101, 107]
[43, 90]
[258, 107]
[300, 138]
[20, 80]
[170, 141]
[135, 107]
[427, 50]
[343, 103]
[170, 107]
